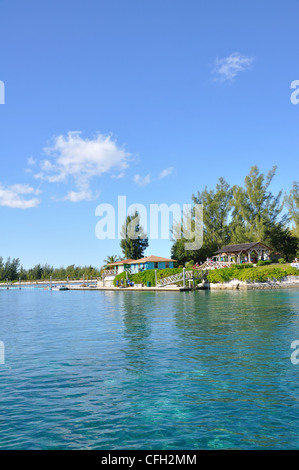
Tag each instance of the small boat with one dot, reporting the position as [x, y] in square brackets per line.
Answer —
[60, 288]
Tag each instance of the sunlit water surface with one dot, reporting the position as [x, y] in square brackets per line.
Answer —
[130, 370]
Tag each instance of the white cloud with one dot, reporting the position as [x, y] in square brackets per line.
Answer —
[142, 181]
[120, 175]
[31, 161]
[228, 68]
[79, 159]
[77, 196]
[14, 196]
[166, 172]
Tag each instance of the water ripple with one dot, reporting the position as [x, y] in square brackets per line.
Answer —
[105, 370]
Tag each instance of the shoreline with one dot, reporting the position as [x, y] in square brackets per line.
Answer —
[234, 284]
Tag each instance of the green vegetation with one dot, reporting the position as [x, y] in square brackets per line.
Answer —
[258, 274]
[293, 206]
[243, 266]
[245, 213]
[147, 276]
[264, 262]
[12, 270]
[245, 272]
[111, 259]
[134, 240]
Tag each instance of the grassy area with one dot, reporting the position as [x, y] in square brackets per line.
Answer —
[240, 272]
[258, 273]
[275, 265]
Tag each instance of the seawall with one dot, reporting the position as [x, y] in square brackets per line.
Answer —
[285, 282]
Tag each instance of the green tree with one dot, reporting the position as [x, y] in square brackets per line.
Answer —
[293, 206]
[183, 256]
[47, 271]
[2, 276]
[282, 240]
[182, 232]
[70, 272]
[216, 213]
[255, 207]
[215, 225]
[11, 269]
[23, 273]
[109, 260]
[134, 240]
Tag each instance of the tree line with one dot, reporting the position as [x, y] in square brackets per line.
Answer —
[133, 243]
[231, 215]
[247, 213]
[12, 270]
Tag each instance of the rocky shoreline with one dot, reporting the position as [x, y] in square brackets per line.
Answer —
[285, 282]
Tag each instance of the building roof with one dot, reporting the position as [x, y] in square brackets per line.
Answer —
[241, 247]
[119, 263]
[148, 259]
[151, 259]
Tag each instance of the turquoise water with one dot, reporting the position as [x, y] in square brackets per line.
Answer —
[130, 370]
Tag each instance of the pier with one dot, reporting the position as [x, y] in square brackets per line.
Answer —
[81, 283]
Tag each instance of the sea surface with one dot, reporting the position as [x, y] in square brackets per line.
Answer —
[149, 370]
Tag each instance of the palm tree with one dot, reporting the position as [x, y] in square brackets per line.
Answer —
[110, 259]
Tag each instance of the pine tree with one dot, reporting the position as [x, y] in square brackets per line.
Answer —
[293, 206]
[255, 207]
[216, 212]
[134, 239]
[281, 240]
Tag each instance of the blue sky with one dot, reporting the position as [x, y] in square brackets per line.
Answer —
[152, 100]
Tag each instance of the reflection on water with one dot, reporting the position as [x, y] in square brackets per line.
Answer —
[137, 331]
[148, 370]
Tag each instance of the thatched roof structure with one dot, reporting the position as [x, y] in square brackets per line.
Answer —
[243, 247]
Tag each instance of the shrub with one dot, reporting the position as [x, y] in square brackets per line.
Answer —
[144, 277]
[147, 276]
[264, 262]
[221, 275]
[161, 273]
[282, 261]
[291, 271]
[243, 266]
[189, 264]
[122, 276]
[253, 274]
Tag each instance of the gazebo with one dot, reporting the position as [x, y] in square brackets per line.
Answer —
[249, 251]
